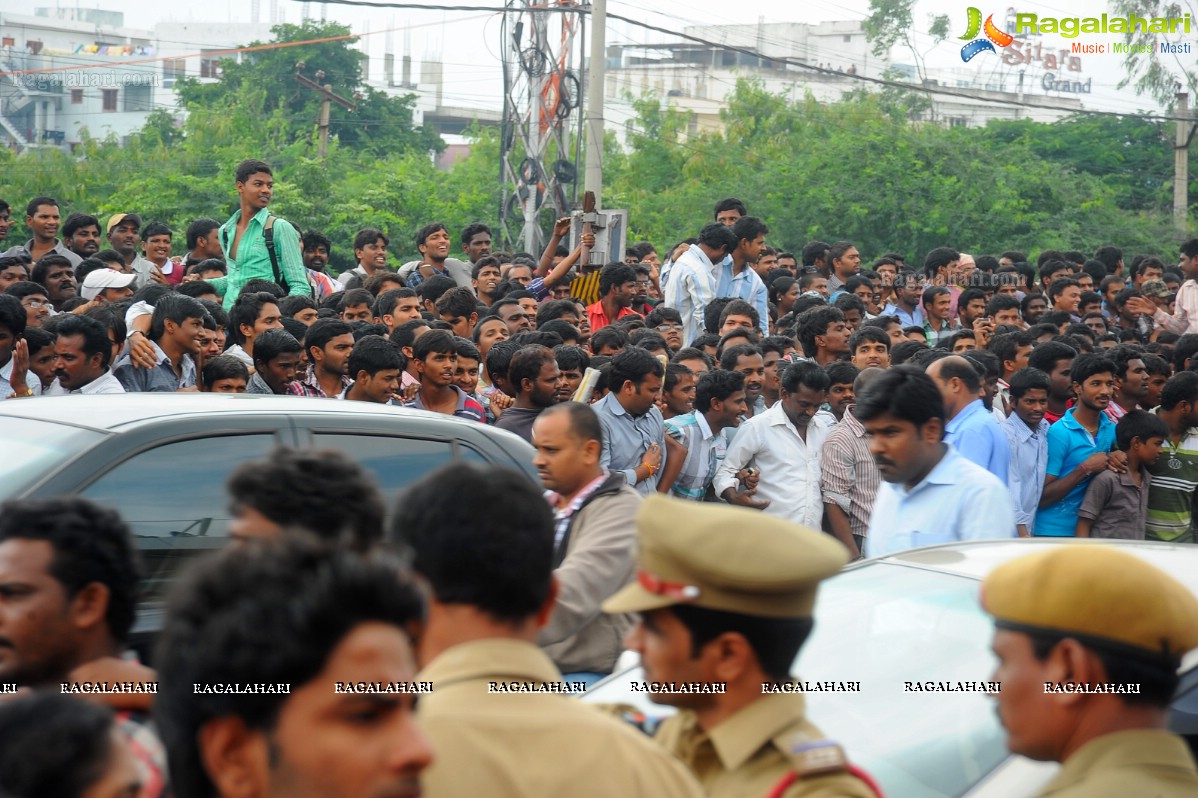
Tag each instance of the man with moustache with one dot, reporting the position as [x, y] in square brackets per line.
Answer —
[43, 219]
[732, 611]
[539, 382]
[56, 274]
[931, 493]
[124, 236]
[1068, 667]
[748, 360]
[81, 234]
[83, 354]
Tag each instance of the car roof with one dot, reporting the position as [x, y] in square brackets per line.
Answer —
[115, 412]
[977, 558]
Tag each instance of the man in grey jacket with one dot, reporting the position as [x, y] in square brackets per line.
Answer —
[594, 541]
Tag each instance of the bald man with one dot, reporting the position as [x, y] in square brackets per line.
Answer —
[971, 429]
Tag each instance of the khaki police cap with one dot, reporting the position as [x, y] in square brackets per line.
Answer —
[726, 558]
[1097, 593]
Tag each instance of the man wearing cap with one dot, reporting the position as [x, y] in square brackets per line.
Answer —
[123, 236]
[1089, 639]
[731, 611]
[107, 284]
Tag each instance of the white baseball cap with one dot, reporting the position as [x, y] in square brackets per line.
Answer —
[97, 281]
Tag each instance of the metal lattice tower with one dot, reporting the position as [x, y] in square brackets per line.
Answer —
[541, 137]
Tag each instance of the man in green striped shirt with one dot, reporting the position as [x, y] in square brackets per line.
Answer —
[244, 245]
[1175, 472]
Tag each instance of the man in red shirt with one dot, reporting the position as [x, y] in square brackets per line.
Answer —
[617, 287]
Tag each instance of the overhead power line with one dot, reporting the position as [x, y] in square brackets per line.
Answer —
[894, 84]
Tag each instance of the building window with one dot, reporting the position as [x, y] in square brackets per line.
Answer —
[210, 66]
[76, 96]
[138, 97]
[847, 38]
[173, 69]
[109, 96]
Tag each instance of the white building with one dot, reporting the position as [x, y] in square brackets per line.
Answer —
[826, 60]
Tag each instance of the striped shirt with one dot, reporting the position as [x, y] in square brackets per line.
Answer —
[467, 407]
[849, 476]
[705, 451]
[1170, 495]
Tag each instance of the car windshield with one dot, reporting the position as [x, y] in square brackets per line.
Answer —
[884, 625]
[34, 448]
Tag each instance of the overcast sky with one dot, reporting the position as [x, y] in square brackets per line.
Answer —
[468, 43]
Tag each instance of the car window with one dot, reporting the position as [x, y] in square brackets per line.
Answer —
[881, 626]
[34, 448]
[173, 497]
[396, 462]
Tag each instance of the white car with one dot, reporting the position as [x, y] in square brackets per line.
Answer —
[895, 623]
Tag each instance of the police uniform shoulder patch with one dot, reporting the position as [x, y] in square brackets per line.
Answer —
[814, 757]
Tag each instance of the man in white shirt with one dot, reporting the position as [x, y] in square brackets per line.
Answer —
[931, 494]
[782, 445]
[1185, 314]
[694, 278]
[84, 352]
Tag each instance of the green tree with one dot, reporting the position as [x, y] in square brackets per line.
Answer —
[380, 124]
[1155, 73]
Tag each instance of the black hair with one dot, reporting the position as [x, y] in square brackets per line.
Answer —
[372, 355]
[53, 746]
[76, 222]
[837, 250]
[814, 323]
[541, 337]
[747, 228]
[457, 302]
[272, 343]
[324, 330]
[94, 334]
[1028, 379]
[938, 258]
[813, 251]
[1138, 424]
[339, 502]
[271, 613]
[712, 313]
[37, 202]
[716, 384]
[729, 204]
[633, 365]
[730, 356]
[555, 309]
[846, 302]
[223, 367]
[197, 288]
[250, 167]
[905, 392]
[176, 308]
[605, 336]
[614, 275]
[12, 314]
[245, 311]
[739, 307]
[905, 351]
[1046, 356]
[313, 239]
[426, 231]
[718, 236]
[774, 641]
[155, 229]
[289, 306]
[499, 358]
[199, 227]
[370, 235]
[872, 334]
[42, 268]
[361, 329]
[984, 362]
[841, 372]
[355, 297]
[432, 288]
[204, 265]
[91, 545]
[1086, 366]
[674, 374]
[561, 328]
[572, 358]
[385, 304]
[1122, 356]
[1181, 387]
[439, 342]
[804, 373]
[505, 570]
[258, 285]
[691, 353]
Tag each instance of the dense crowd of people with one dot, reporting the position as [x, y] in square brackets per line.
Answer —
[827, 407]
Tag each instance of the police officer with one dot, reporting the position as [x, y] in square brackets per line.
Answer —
[725, 598]
[1089, 639]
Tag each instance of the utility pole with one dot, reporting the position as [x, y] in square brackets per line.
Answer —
[595, 90]
[1181, 165]
[327, 97]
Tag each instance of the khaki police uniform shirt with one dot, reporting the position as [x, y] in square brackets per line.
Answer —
[1143, 763]
[745, 756]
[520, 745]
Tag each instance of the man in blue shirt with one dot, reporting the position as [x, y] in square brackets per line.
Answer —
[634, 433]
[736, 277]
[1027, 433]
[971, 429]
[1078, 446]
[930, 494]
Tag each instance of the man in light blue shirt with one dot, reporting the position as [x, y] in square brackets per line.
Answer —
[634, 435]
[736, 277]
[693, 278]
[1078, 446]
[908, 304]
[971, 429]
[930, 494]
[1027, 433]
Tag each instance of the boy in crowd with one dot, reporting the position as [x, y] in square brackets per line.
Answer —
[1116, 505]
